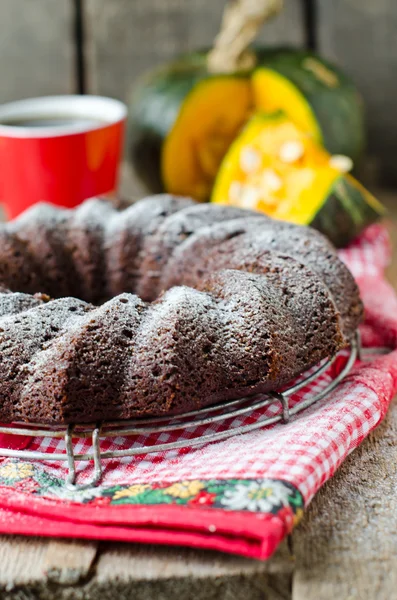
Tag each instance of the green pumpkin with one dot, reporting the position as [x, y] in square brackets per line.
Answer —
[275, 167]
[183, 119]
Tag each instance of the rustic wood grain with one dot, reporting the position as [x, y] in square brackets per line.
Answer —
[68, 562]
[143, 572]
[36, 48]
[33, 564]
[21, 561]
[158, 572]
[126, 38]
[360, 35]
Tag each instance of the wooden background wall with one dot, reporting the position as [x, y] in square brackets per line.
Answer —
[101, 46]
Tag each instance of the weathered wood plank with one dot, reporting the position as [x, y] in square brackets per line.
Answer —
[125, 38]
[153, 572]
[21, 561]
[68, 562]
[130, 187]
[142, 572]
[29, 563]
[36, 48]
[360, 35]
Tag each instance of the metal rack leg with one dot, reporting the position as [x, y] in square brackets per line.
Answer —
[284, 405]
[96, 455]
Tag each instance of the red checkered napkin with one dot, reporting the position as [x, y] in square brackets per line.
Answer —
[242, 494]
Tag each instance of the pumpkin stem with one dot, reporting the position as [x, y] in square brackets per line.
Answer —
[241, 21]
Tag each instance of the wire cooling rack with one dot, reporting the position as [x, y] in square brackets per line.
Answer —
[187, 421]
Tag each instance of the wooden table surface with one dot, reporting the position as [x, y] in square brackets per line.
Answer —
[345, 547]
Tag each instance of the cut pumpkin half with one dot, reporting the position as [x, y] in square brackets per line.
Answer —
[315, 95]
[210, 118]
[274, 92]
[183, 119]
[276, 168]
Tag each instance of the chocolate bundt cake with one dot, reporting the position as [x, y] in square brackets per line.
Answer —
[160, 308]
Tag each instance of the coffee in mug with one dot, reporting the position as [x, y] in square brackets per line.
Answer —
[59, 149]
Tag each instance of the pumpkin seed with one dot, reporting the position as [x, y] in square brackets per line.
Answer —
[250, 160]
[343, 163]
[291, 151]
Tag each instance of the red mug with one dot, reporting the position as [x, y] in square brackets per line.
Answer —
[59, 149]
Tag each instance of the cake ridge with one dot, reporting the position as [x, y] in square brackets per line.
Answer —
[238, 304]
[69, 367]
